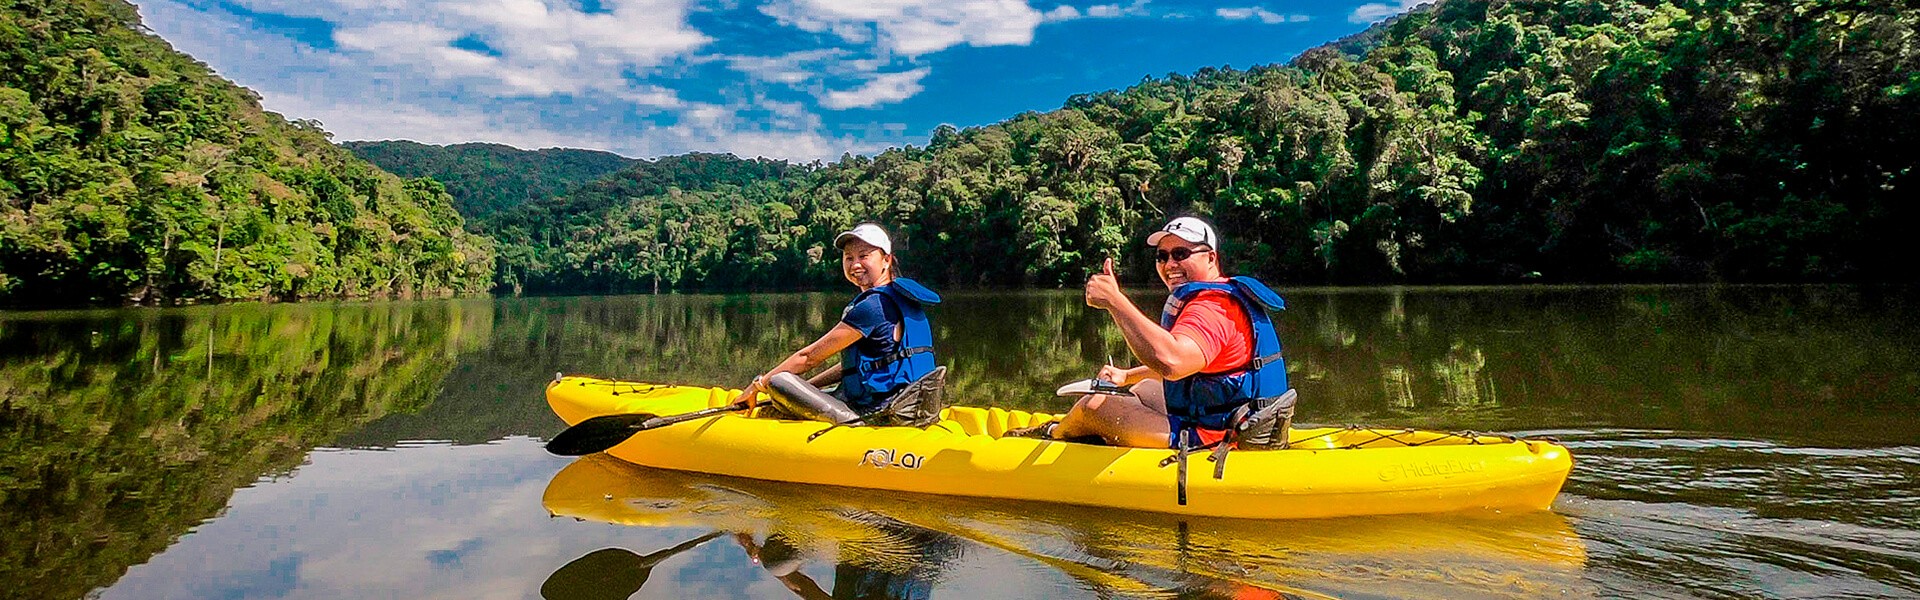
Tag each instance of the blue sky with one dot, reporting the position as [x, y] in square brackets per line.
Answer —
[794, 79]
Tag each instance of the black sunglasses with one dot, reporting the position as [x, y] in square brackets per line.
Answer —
[1178, 254]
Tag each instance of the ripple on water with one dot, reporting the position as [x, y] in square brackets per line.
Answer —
[1746, 518]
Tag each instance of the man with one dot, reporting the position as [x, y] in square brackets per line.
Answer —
[1211, 361]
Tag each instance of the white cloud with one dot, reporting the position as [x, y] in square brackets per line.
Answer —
[806, 65]
[348, 120]
[764, 128]
[540, 47]
[881, 89]
[792, 68]
[913, 27]
[1097, 11]
[817, 71]
[374, 87]
[1370, 13]
[649, 95]
[1264, 15]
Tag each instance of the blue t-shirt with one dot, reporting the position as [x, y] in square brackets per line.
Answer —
[874, 317]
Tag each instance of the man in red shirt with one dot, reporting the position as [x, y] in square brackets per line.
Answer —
[1211, 334]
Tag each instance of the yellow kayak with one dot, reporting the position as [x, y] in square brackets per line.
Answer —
[1328, 472]
[1533, 553]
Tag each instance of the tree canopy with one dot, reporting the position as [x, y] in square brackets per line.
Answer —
[131, 173]
[1467, 141]
[488, 178]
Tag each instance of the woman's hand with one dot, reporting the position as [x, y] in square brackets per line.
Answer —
[837, 339]
[1103, 289]
[746, 395]
[745, 540]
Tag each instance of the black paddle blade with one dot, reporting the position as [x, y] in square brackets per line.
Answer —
[605, 574]
[598, 434]
[609, 573]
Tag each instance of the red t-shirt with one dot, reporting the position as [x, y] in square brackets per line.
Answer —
[1214, 321]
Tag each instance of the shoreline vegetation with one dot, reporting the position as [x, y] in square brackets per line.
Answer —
[1467, 142]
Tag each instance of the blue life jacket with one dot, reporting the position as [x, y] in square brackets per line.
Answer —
[1205, 399]
[869, 381]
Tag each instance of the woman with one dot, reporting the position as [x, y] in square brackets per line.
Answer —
[883, 338]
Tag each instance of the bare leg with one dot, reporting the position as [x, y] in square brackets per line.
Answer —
[1139, 421]
[1152, 393]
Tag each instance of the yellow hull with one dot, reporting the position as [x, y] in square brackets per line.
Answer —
[1329, 472]
[1534, 553]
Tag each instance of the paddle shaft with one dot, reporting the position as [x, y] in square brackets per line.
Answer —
[603, 432]
[658, 422]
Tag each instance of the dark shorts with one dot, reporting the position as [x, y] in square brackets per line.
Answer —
[1201, 436]
[874, 402]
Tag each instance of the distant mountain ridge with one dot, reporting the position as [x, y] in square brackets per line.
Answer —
[487, 178]
[645, 225]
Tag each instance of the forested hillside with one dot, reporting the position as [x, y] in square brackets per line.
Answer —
[1472, 141]
[692, 218]
[129, 173]
[487, 178]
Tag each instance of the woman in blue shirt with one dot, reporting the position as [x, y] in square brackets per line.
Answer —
[883, 338]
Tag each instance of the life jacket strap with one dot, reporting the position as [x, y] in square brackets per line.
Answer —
[1181, 446]
[1220, 449]
[1221, 409]
[897, 356]
[1263, 361]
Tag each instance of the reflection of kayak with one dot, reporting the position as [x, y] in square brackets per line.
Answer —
[1329, 472]
[1117, 551]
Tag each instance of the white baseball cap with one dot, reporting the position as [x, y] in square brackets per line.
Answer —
[1189, 229]
[865, 232]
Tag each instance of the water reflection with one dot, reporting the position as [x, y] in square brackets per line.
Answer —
[1827, 364]
[1808, 363]
[1751, 441]
[119, 431]
[610, 573]
[896, 561]
[897, 545]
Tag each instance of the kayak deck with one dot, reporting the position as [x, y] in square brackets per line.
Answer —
[1327, 472]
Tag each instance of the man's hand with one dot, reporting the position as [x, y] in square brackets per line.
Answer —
[1123, 376]
[1103, 289]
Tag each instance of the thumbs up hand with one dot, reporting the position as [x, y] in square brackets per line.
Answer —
[1103, 289]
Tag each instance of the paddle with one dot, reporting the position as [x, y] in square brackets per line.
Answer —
[606, 431]
[609, 573]
[1086, 387]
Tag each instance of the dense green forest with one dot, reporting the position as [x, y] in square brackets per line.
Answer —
[487, 178]
[119, 435]
[1468, 141]
[688, 219]
[131, 173]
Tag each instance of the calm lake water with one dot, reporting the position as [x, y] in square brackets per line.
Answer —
[1749, 442]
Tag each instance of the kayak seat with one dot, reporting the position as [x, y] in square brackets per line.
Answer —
[919, 404]
[1266, 424]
